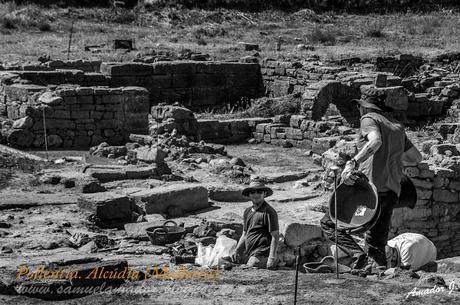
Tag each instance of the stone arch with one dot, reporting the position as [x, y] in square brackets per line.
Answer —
[331, 98]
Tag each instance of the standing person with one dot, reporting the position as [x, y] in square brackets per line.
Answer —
[383, 151]
[259, 241]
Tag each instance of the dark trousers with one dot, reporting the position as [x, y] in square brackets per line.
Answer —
[376, 237]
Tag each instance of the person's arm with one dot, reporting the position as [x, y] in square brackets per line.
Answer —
[241, 243]
[273, 228]
[371, 131]
[411, 155]
[273, 249]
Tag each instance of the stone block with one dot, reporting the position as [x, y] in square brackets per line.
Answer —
[395, 97]
[445, 195]
[426, 173]
[110, 208]
[294, 133]
[150, 154]
[259, 137]
[260, 128]
[187, 197]
[82, 141]
[296, 234]
[126, 69]
[420, 183]
[424, 193]
[24, 123]
[440, 182]
[20, 138]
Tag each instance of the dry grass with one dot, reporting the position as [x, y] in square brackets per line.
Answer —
[218, 32]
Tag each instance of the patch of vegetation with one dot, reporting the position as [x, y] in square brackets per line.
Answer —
[13, 17]
[375, 29]
[201, 41]
[44, 26]
[322, 36]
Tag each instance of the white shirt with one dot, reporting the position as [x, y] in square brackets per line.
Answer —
[415, 250]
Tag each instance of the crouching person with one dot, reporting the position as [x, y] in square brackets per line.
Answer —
[411, 251]
[258, 244]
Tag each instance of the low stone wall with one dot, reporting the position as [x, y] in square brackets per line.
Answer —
[79, 117]
[197, 85]
[437, 212]
[401, 65]
[58, 77]
[50, 65]
[193, 84]
[299, 131]
[228, 131]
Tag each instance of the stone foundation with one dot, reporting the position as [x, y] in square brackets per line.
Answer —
[437, 212]
[79, 117]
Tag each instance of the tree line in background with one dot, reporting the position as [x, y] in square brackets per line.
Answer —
[355, 6]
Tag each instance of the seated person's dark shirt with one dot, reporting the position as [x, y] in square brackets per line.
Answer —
[258, 226]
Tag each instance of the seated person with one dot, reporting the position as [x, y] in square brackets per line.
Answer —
[410, 251]
[258, 244]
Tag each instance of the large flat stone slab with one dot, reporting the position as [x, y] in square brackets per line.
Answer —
[24, 200]
[187, 197]
[114, 173]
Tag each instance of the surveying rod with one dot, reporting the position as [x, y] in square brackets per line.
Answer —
[335, 169]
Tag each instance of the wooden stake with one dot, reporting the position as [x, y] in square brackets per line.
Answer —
[70, 41]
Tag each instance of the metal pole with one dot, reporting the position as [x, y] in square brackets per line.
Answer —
[44, 133]
[296, 274]
[335, 169]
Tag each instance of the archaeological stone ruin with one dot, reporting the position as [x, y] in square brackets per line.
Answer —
[124, 111]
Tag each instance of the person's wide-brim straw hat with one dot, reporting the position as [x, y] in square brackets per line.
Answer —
[257, 185]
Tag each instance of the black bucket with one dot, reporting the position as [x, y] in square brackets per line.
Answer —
[357, 205]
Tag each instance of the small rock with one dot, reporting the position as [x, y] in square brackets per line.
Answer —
[50, 245]
[79, 239]
[50, 179]
[5, 225]
[90, 247]
[68, 182]
[237, 161]
[54, 140]
[252, 141]
[24, 123]
[206, 241]
[66, 224]
[92, 187]
[6, 250]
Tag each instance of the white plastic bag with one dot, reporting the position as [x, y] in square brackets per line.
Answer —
[209, 256]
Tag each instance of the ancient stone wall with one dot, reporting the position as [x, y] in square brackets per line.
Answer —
[228, 131]
[193, 84]
[46, 64]
[437, 212]
[197, 85]
[79, 117]
[300, 131]
[401, 65]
